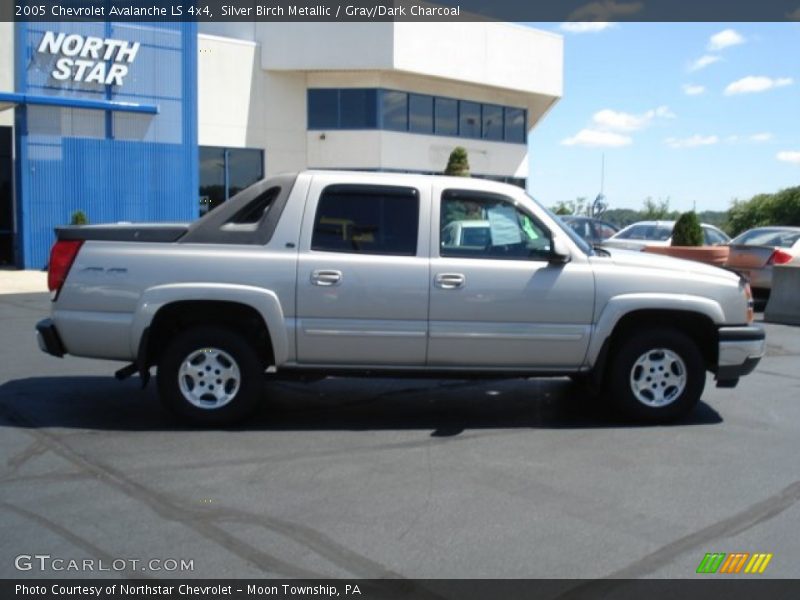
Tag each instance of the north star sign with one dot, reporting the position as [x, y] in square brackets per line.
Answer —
[89, 59]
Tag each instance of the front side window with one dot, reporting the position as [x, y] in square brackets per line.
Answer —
[367, 220]
[484, 225]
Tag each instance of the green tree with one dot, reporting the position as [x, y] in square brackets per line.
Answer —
[781, 208]
[687, 230]
[655, 210]
[458, 163]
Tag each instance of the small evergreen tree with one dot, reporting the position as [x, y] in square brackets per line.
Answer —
[687, 231]
[78, 218]
[458, 163]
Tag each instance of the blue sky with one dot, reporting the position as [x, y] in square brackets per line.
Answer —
[700, 113]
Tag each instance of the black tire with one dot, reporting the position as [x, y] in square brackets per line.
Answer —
[682, 361]
[215, 348]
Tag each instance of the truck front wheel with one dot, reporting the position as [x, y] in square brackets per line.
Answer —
[656, 376]
[210, 375]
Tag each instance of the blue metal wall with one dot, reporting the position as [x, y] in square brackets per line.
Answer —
[112, 165]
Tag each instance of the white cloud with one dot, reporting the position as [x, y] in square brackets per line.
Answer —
[692, 141]
[693, 90]
[789, 156]
[761, 137]
[725, 39]
[594, 138]
[703, 62]
[612, 120]
[586, 26]
[752, 84]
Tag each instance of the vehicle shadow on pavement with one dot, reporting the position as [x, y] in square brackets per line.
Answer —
[445, 407]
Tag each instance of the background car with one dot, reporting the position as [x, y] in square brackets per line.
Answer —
[659, 233]
[591, 230]
[754, 252]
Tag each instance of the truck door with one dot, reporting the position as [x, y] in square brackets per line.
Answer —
[362, 284]
[496, 298]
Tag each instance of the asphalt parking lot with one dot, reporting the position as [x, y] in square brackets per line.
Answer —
[383, 478]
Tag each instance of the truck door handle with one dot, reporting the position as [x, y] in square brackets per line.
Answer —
[326, 278]
[450, 281]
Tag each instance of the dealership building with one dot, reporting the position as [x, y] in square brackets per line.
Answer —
[163, 121]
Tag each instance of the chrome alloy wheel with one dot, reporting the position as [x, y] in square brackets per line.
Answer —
[209, 378]
[658, 377]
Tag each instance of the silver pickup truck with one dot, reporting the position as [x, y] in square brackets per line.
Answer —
[344, 273]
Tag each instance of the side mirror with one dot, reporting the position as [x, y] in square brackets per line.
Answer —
[559, 255]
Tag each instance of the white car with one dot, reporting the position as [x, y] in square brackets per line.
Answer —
[658, 233]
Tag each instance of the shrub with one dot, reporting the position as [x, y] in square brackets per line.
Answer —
[458, 163]
[78, 218]
[687, 230]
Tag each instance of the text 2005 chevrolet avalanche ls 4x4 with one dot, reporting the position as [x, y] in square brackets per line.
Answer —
[324, 273]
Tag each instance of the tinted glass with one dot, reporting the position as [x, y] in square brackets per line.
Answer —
[490, 227]
[469, 119]
[212, 178]
[323, 108]
[245, 167]
[420, 113]
[768, 237]
[515, 125]
[446, 116]
[603, 231]
[712, 236]
[357, 109]
[394, 108]
[367, 220]
[492, 122]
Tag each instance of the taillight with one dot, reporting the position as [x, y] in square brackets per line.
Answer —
[779, 257]
[62, 255]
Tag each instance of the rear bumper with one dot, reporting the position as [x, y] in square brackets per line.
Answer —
[48, 339]
[759, 278]
[740, 350]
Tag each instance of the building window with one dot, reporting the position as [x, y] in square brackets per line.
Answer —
[394, 110]
[367, 220]
[515, 125]
[445, 114]
[469, 119]
[420, 113]
[323, 108]
[224, 172]
[358, 109]
[492, 117]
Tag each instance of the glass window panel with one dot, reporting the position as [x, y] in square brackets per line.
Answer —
[367, 222]
[245, 167]
[420, 113]
[394, 106]
[357, 109]
[212, 178]
[323, 108]
[515, 125]
[491, 227]
[492, 122]
[446, 116]
[469, 118]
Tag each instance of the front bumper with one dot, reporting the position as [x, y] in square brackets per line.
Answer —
[740, 350]
[48, 338]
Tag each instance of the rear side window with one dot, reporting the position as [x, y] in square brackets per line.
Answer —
[367, 220]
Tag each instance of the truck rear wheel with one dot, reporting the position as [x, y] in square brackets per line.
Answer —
[656, 376]
[210, 375]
